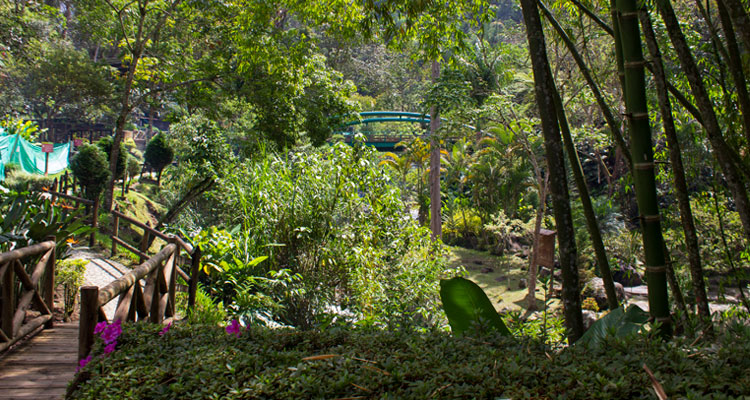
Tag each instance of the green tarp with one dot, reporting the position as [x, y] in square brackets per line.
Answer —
[15, 149]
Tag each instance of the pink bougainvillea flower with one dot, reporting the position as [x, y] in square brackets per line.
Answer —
[82, 363]
[112, 332]
[166, 329]
[99, 328]
[110, 347]
[234, 328]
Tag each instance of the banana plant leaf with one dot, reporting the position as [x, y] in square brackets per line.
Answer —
[467, 306]
[617, 323]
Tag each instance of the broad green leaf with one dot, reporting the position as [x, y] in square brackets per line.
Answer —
[617, 322]
[466, 305]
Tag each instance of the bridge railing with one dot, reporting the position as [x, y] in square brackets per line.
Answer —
[146, 293]
[22, 285]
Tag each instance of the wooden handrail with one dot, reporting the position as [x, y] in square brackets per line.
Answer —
[23, 252]
[70, 197]
[15, 305]
[123, 283]
[141, 225]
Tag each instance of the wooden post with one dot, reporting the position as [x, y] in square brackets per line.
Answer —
[88, 319]
[49, 284]
[172, 282]
[144, 243]
[46, 163]
[155, 314]
[9, 301]
[195, 264]
[94, 222]
[115, 230]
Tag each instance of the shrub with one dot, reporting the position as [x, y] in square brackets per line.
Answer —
[91, 168]
[332, 217]
[159, 153]
[11, 168]
[207, 362]
[21, 181]
[69, 274]
[105, 144]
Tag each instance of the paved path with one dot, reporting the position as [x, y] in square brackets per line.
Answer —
[100, 272]
[42, 367]
[638, 295]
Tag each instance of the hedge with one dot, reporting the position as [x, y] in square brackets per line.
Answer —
[202, 362]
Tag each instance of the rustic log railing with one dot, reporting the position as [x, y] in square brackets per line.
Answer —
[152, 301]
[20, 290]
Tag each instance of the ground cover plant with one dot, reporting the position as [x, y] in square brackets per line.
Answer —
[199, 361]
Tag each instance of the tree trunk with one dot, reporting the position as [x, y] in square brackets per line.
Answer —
[735, 68]
[643, 167]
[568, 253]
[588, 208]
[436, 222]
[724, 154]
[531, 296]
[740, 19]
[678, 171]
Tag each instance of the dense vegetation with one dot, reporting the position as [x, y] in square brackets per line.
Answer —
[622, 126]
[207, 362]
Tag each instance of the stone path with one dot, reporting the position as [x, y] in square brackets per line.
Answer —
[638, 295]
[100, 272]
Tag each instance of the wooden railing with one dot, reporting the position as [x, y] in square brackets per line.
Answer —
[153, 301]
[20, 290]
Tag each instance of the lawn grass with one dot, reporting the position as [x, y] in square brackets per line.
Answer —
[498, 276]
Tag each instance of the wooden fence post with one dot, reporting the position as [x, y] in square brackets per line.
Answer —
[9, 299]
[144, 244]
[115, 230]
[195, 264]
[88, 319]
[49, 284]
[94, 222]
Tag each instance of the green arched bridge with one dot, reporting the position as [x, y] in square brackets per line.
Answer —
[385, 140]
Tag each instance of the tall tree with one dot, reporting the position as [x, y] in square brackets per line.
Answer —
[644, 176]
[544, 89]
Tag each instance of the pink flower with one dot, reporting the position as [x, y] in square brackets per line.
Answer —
[234, 328]
[166, 329]
[110, 348]
[99, 328]
[112, 332]
[82, 363]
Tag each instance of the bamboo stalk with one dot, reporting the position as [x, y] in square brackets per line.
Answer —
[643, 167]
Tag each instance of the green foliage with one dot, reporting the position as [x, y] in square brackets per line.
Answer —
[468, 307]
[91, 168]
[27, 129]
[28, 218]
[70, 275]
[159, 153]
[331, 216]
[62, 81]
[197, 362]
[205, 311]
[616, 323]
[21, 181]
[105, 144]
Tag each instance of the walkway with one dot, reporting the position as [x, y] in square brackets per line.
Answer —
[41, 368]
